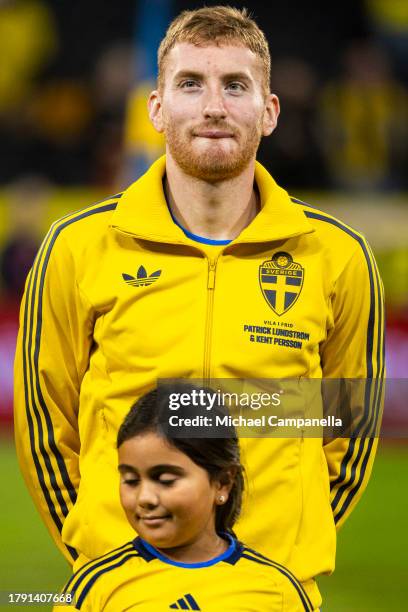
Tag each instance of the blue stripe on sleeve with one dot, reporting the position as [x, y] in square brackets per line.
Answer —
[370, 430]
[32, 334]
[370, 415]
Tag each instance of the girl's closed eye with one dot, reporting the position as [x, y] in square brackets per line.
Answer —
[166, 478]
[167, 481]
[130, 480]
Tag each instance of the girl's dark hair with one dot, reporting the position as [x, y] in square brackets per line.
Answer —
[219, 456]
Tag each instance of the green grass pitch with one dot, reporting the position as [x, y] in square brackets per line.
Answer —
[372, 567]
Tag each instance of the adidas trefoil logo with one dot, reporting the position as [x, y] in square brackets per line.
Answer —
[185, 603]
[142, 279]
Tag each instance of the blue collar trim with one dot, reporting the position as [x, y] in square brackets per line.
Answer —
[196, 237]
[227, 553]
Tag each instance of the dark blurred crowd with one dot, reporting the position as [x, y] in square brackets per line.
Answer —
[340, 72]
[67, 67]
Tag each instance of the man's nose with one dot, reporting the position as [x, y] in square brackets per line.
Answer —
[214, 106]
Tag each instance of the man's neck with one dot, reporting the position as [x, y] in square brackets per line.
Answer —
[219, 211]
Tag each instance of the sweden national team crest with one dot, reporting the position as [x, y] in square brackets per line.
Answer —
[281, 281]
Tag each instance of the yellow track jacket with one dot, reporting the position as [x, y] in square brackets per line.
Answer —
[119, 297]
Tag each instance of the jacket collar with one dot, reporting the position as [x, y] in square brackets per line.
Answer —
[142, 211]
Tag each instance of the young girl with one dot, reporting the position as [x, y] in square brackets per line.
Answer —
[182, 495]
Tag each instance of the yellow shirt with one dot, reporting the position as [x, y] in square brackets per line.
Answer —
[138, 577]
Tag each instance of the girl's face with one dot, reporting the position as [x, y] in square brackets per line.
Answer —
[168, 499]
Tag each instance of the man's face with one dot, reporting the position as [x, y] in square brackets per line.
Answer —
[213, 109]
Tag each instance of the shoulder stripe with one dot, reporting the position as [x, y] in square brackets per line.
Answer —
[373, 392]
[342, 226]
[98, 574]
[258, 554]
[79, 591]
[85, 572]
[112, 554]
[113, 197]
[296, 201]
[255, 553]
[41, 431]
[307, 605]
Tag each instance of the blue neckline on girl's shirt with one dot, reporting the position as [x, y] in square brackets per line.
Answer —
[224, 555]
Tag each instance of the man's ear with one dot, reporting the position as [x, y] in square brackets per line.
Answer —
[271, 114]
[154, 105]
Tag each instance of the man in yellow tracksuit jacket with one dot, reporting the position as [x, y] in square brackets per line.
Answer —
[134, 289]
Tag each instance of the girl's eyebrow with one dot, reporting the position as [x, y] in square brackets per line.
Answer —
[156, 469]
[166, 468]
[124, 467]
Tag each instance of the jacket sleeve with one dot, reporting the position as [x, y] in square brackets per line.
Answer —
[354, 349]
[52, 356]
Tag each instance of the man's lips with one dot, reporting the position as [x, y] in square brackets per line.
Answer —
[214, 134]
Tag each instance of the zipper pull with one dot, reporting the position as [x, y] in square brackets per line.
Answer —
[211, 275]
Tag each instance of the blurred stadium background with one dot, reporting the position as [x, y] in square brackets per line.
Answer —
[74, 129]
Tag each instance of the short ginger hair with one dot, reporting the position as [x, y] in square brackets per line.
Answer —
[219, 25]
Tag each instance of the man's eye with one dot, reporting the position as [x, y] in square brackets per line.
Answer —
[189, 84]
[235, 86]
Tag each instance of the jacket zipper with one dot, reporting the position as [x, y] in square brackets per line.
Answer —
[212, 264]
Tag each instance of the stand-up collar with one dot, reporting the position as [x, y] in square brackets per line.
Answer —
[143, 212]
